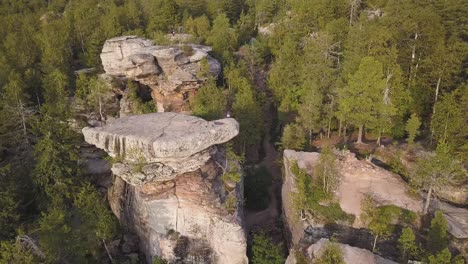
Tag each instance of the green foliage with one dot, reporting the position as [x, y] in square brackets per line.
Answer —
[231, 203]
[265, 251]
[412, 128]
[381, 220]
[257, 183]
[327, 171]
[437, 238]
[449, 121]
[361, 102]
[209, 103]
[407, 243]
[247, 111]
[96, 219]
[443, 257]
[435, 170]
[164, 15]
[332, 254]
[293, 137]
[199, 27]
[138, 105]
[14, 252]
[310, 196]
[223, 39]
[159, 260]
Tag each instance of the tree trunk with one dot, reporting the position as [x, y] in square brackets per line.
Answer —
[310, 137]
[100, 109]
[344, 134]
[379, 138]
[339, 130]
[107, 250]
[413, 56]
[434, 109]
[359, 139]
[329, 128]
[375, 242]
[428, 200]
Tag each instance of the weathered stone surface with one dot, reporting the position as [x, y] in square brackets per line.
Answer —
[168, 70]
[359, 178]
[351, 254]
[457, 219]
[160, 146]
[160, 136]
[168, 187]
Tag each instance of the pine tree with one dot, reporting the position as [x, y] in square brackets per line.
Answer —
[361, 102]
[412, 128]
[209, 103]
[437, 239]
[293, 137]
[435, 170]
[223, 39]
[327, 171]
[407, 243]
[265, 251]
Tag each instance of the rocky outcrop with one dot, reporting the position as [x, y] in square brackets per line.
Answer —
[358, 179]
[351, 255]
[168, 186]
[160, 146]
[172, 72]
[457, 219]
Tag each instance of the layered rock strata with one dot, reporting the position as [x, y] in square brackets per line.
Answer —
[168, 186]
[173, 72]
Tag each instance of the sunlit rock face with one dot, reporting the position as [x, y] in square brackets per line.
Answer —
[173, 72]
[359, 178]
[168, 187]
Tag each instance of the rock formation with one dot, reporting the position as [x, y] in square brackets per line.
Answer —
[172, 72]
[359, 178]
[351, 254]
[168, 186]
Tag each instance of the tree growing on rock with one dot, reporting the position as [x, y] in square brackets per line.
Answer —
[332, 254]
[434, 171]
[327, 170]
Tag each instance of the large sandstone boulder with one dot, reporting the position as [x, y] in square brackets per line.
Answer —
[159, 146]
[168, 186]
[351, 255]
[171, 71]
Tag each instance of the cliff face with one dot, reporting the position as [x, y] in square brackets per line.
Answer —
[168, 186]
[172, 72]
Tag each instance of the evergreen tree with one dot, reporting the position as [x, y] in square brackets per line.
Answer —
[293, 137]
[209, 102]
[360, 102]
[223, 39]
[407, 243]
[264, 251]
[437, 239]
[412, 128]
[327, 171]
[435, 170]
